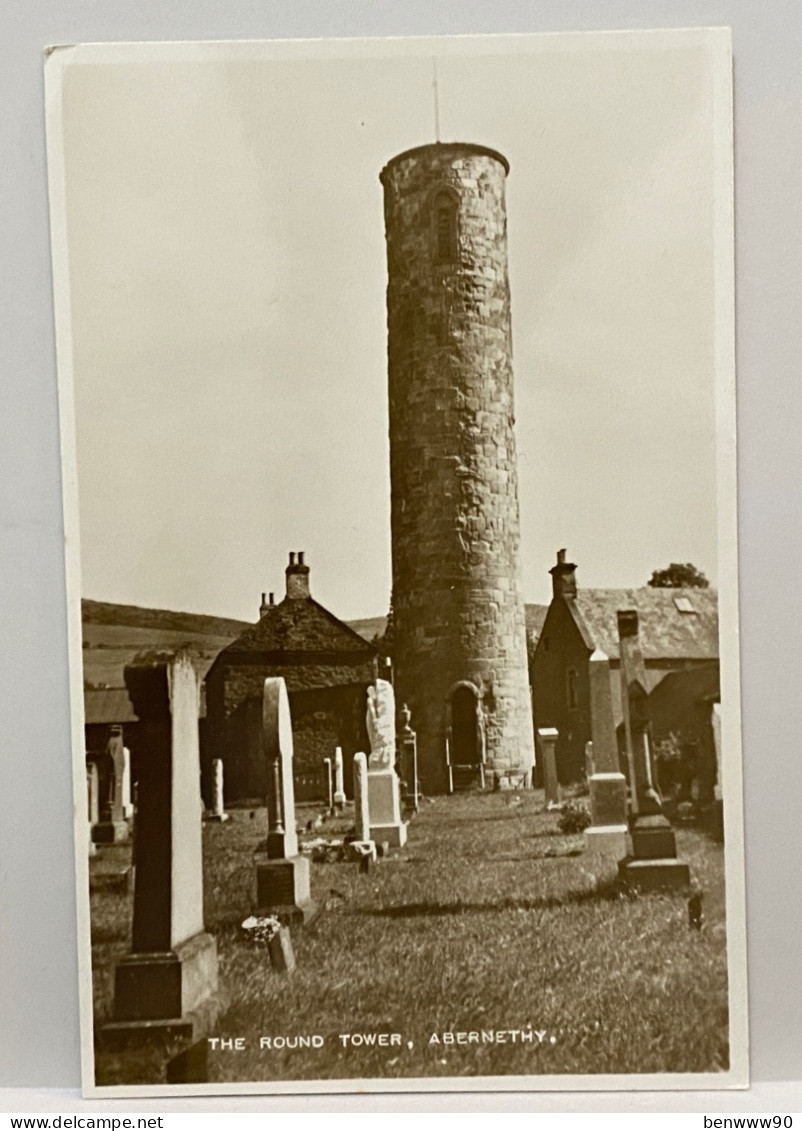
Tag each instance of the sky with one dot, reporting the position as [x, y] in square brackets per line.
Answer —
[224, 232]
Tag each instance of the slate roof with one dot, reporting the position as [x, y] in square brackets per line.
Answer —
[665, 632]
[299, 625]
[108, 705]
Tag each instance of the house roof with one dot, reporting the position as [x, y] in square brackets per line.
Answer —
[299, 625]
[108, 705]
[666, 632]
[113, 705]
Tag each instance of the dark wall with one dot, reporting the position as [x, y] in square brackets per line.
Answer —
[323, 718]
[560, 649]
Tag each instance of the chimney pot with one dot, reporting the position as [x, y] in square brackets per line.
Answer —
[563, 577]
[297, 578]
[301, 557]
[272, 598]
[627, 622]
[292, 557]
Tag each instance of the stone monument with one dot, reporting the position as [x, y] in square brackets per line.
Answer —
[653, 863]
[339, 779]
[112, 826]
[384, 796]
[282, 874]
[92, 803]
[128, 806]
[363, 845]
[608, 786]
[327, 770]
[547, 743]
[218, 810]
[459, 652]
[408, 762]
[168, 984]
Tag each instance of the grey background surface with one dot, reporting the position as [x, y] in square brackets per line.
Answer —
[39, 1043]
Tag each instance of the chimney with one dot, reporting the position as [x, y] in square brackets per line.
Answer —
[263, 608]
[297, 578]
[632, 665]
[563, 577]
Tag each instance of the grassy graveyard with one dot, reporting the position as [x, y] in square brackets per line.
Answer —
[489, 923]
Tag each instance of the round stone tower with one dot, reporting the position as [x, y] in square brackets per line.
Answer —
[458, 615]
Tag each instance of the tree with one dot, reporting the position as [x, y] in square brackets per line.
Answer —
[679, 576]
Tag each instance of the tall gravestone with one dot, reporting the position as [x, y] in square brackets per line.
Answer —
[168, 984]
[327, 771]
[608, 786]
[408, 761]
[93, 808]
[127, 797]
[217, 813]
[362, 838]
[547, 745]
[715, 722]
[112, 826]
[282, 874]
[339, 779]
[384, 796]
[653, 863]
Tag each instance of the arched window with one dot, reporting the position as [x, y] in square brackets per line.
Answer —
[444, 211]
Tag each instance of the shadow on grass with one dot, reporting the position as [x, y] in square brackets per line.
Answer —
[613, 890]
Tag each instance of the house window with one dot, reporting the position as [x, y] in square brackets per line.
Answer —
[571, 695]
[445, 227]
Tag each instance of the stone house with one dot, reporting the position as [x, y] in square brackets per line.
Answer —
[327, 667]
[680, 644]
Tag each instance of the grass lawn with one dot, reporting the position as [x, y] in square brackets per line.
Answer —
[489, 922]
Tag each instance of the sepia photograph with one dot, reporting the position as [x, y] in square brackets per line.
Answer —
[397, 398]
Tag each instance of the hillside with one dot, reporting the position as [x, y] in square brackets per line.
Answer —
[114, 634]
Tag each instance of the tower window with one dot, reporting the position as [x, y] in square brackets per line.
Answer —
[445, 227]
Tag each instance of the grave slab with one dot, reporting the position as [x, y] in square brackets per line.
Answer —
[167, 986]
[281, 873]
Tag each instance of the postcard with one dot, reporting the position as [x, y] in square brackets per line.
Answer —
[397, 405]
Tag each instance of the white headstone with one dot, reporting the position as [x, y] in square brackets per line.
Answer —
[282, 838]
[380, 719]
[339, 785]
[361, 809]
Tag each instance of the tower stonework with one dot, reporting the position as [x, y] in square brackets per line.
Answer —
[460, 656]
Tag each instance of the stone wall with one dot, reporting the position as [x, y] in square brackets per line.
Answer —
[327, 706]
[457, 605]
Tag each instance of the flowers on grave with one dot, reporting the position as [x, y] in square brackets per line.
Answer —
[574, 818]
[261, 929]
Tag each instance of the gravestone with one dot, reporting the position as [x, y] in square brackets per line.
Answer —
[218, 810]
[93, 808]
[715, 720]
[167, 986]
[113, 827]
[339, 786]
[327, 769]
[282, 874]
[608, 787]
[547, 742]
[384, 794]
[408, 761]
[128, 807]
[362, 844]
[653, 862]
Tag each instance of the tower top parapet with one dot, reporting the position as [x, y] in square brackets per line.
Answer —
[446, 148]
